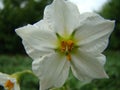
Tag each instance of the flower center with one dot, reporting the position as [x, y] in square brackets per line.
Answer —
[66, 47]
[9, 85]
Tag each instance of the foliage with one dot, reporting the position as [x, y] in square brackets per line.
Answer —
[17, 13]
[11, 64]
[111, 11]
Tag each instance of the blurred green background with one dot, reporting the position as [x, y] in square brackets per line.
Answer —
[17, 13]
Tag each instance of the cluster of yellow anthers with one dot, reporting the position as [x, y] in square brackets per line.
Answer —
[66, 47]
[9, 85]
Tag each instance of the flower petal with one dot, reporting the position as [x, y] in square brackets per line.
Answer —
[86, 67]
[35, 54]
[16, 87]
[37, 38]
[62, 16]
[100, 57]
[3, 78]
[93, 33]
[52, 70]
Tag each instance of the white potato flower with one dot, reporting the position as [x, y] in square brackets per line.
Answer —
[66, 39]
[8, 82]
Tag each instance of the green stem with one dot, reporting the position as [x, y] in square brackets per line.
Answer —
[19, 75]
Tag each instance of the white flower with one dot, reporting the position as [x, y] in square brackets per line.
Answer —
[65, 39]
[8, 82]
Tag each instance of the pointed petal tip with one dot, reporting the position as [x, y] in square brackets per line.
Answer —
[17, 31]
[112, 22]
[103, 75]
[106, 76]
[22, 30]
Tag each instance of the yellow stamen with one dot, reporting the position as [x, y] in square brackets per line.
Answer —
[9, 85]
[70, 44]
[63, 46]
[66, 47]
[68, 56]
